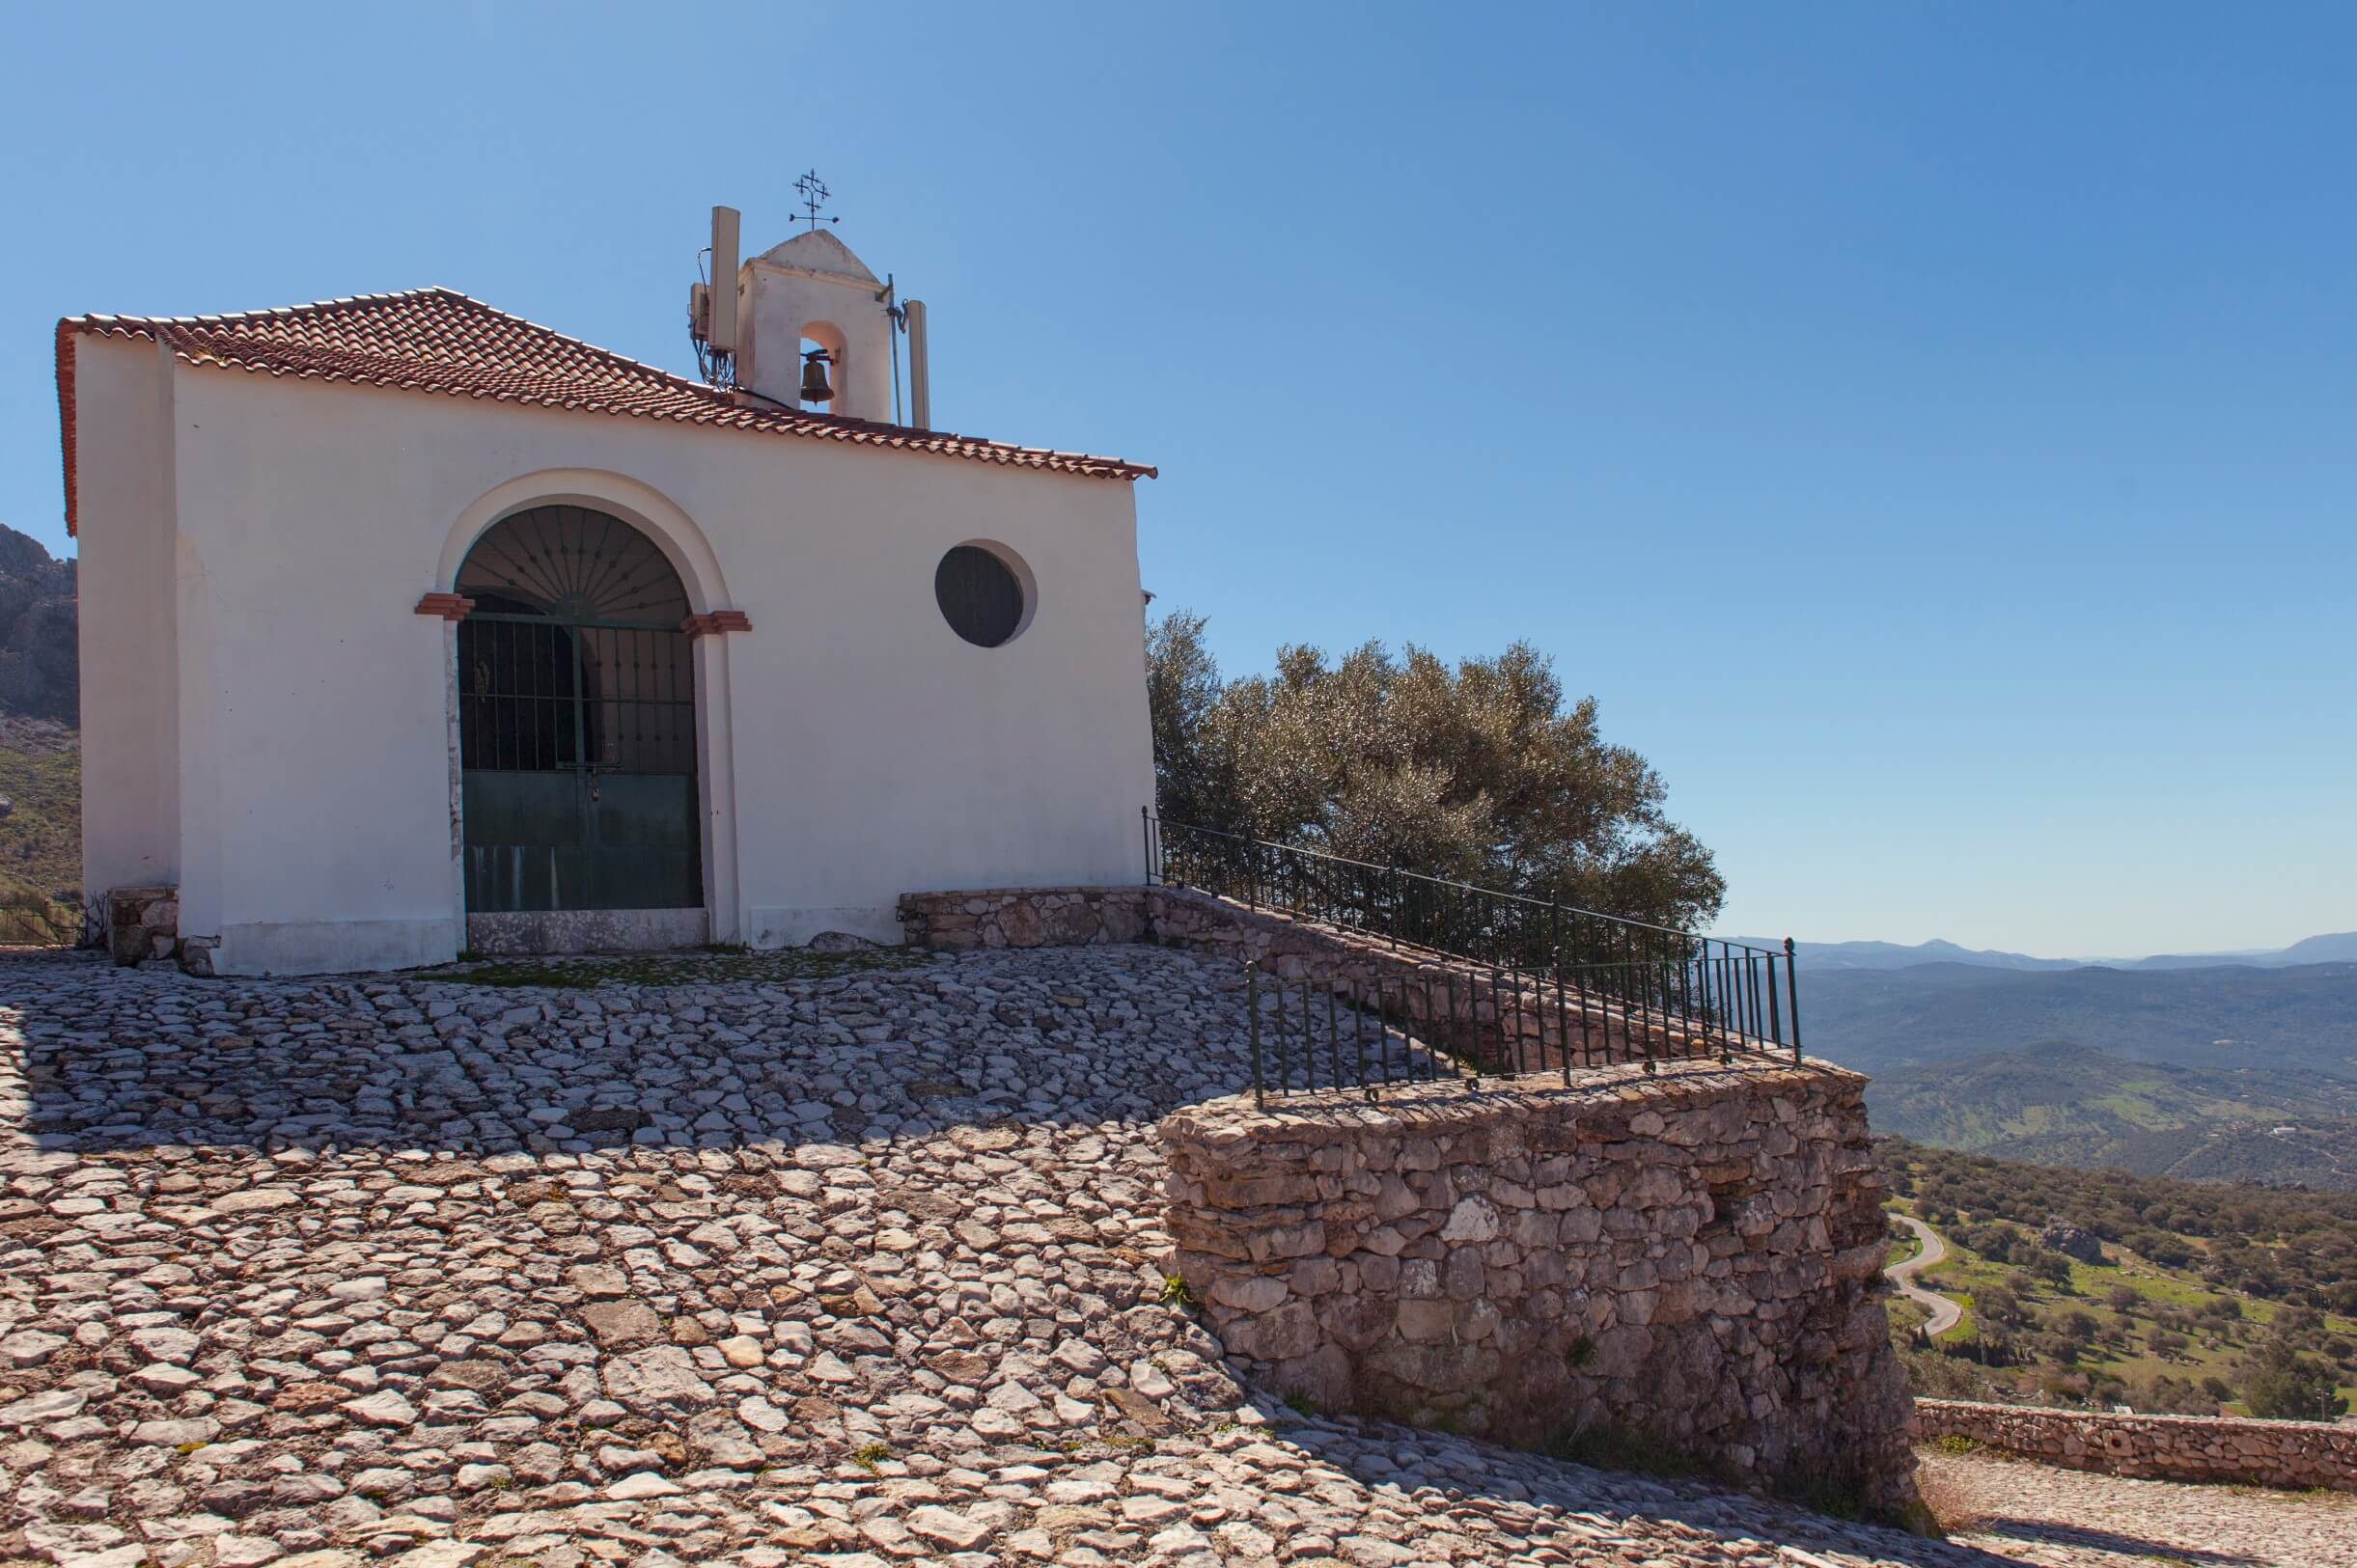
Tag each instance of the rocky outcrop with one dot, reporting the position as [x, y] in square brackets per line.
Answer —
[2069, 1240]
[39, 647]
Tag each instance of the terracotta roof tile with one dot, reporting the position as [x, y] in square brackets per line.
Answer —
[442, 342]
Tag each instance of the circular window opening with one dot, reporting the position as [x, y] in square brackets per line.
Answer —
[980, 595]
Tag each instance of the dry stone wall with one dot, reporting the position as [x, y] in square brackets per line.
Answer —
[1686, 1261]
[143, 924]
[1023, 918]
[1478, 1013]
[2298, 1454]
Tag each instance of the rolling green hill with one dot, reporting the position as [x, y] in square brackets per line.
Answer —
[41, 833]
[2189, 1292]
[41, 761]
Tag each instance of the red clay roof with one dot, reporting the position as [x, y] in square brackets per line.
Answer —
[439, 340]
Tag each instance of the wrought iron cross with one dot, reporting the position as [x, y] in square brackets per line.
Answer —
[814, 195]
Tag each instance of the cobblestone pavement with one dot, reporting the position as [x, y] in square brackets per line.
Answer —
[2044, 1514]
[852, 1271]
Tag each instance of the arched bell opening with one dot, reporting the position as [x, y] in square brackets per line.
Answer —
[576, 719]
[823, 354]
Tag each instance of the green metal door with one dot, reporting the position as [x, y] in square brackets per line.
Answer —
[577, 720]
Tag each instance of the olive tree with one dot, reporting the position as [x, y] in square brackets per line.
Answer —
[1478, 771]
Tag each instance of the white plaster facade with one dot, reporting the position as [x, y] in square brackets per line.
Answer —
[268, 723]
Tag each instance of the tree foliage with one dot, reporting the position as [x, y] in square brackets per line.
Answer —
[2285, 1386]
[1476, 772]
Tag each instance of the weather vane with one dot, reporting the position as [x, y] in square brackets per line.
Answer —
[814, 197]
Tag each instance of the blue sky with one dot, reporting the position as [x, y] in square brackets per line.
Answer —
[1929, 431]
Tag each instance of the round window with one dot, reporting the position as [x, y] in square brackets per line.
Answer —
[980, 595]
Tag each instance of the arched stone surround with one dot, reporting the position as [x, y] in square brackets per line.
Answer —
[691, 555]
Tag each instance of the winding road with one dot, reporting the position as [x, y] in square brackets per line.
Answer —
[1945, 1313]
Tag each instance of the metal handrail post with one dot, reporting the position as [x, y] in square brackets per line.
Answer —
[1252, 1007]
[1792, 989]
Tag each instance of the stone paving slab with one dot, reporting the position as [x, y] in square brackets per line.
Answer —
[2043, 1514]
[852, 1272]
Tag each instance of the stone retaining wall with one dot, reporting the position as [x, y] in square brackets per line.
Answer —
[959, 921]
[143, 924]
[1470, 1008]
[2298, 1454]
[1687, 1261]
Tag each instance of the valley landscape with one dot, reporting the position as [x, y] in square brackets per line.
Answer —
[2144, 1174]
[2243, 1070]
[2099, 1288]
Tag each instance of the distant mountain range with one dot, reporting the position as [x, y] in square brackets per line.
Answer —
[2232, 1071]
[2339, 947]
[1879, 1020]
[1816, 956]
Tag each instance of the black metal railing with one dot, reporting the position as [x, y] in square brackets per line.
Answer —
[1599, 976]
[1355, 1024]
[1373, 1034]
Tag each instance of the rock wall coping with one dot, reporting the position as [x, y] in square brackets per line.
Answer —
[2297, 1454]
[1505, 1019]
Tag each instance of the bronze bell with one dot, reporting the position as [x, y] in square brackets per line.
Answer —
[814, 389]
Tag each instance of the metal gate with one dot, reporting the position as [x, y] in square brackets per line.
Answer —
[577, 720]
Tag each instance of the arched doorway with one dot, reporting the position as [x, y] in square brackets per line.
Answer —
[576, 719]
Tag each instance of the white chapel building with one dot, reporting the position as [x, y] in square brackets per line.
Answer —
[409, 626]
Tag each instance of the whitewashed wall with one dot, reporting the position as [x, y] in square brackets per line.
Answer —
[865, 749]
[128, 647]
